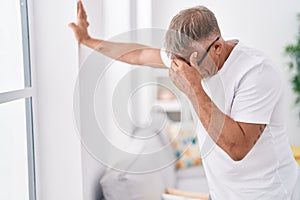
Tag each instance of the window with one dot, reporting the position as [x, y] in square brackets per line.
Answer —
[16, 92]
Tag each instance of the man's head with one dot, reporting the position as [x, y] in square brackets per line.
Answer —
[189, 28]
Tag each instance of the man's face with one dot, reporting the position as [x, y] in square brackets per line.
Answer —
[201, 59]
[207, 67]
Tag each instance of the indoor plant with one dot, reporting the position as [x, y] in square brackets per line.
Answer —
[293, 50]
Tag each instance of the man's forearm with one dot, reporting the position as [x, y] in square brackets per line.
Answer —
[113, 50]
[126, 52]
[131, 53]
[210, 116]
[226, 133]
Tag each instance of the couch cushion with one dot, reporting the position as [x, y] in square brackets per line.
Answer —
[185, 144]
[191, 172]
[129, 185]
[192, 179]
[121, 185]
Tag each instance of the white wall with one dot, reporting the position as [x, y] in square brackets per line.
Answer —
[55, 68]
[266, 25]
[107, 21]
[111, 22]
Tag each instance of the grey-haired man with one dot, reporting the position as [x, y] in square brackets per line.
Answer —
[252, 158]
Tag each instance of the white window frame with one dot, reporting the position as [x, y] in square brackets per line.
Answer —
[26, 94]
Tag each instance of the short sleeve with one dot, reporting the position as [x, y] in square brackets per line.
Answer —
[164, 57]
[256, 95]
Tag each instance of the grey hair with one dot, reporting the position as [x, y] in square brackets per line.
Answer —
[187, 27]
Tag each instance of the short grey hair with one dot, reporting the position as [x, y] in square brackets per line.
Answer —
[191, 25]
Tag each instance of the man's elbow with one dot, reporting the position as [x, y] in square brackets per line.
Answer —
[238, 152]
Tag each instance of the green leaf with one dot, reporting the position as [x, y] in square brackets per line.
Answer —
[291, 65]
[293, 50]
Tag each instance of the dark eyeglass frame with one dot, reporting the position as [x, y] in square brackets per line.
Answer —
[207, 50]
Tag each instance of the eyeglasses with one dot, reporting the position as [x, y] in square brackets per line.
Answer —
[207, 50]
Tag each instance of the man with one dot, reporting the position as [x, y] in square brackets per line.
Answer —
[251, 158]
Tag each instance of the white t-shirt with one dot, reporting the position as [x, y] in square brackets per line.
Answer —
[248, 89]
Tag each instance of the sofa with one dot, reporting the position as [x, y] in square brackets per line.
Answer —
[147, 179]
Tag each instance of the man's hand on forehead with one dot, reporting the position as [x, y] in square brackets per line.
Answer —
[184, 76]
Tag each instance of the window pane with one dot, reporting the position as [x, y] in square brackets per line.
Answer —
[11, 58]
[13, 151]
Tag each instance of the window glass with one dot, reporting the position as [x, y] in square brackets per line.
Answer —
[13, 151]
[11, 55]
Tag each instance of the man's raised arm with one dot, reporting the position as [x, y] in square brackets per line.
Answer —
[131, 53]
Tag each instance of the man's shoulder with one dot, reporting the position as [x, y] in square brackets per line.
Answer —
[250, 55]
[249, 66]
[262, 76]
[249, 60]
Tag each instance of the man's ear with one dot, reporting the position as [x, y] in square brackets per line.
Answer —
[193, 59]
[218, 47]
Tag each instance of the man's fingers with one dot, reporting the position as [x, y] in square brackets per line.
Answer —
[82, 7]
[174, 63]
[174, 67]
[81, 11]
[72, 25]
[180, 63]
[81, 15]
